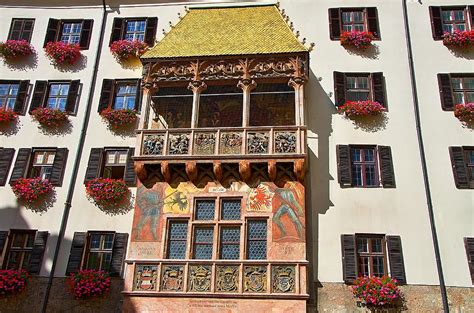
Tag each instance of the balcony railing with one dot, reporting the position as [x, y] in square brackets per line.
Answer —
[226, 278]
[212, 143]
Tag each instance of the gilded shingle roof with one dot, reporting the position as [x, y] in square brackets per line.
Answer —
[228, 31]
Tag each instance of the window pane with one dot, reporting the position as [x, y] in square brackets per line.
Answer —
[221, 106]
[205, 210]
[446, 15]
[458, 97]
[14, 89]
[358, 16]
[174, 107]
[468, 83]
[272, 105]
[14, 260]
[19, 240]
[178, 232]
[257, 250]
[470, 157]
[256, 240]
[448, 28]
[95, 241]
[456, 83]
[370, 175]
[230, 243]
[230, 210]
[362, 245]
[459, 15]
[376, 245]
[108, 241]
[93, 262]
[378, 266]
[363, 266]
[346, 17]
[203, 239]
[64, 90]
[4, 89]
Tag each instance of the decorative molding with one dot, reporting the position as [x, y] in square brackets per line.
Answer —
[197, 86]
[247, 85]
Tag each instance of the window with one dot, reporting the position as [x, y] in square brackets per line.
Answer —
[364, 167]
[462, 161]
[8, 93]
[449, 19]
[454, 19]
[135, 30]
[353, 19]
[371, 259]
[71, 32]
[57, 96]
[115, 163]
[220, 106]
[359, 87]
[463, 89]
[99, 251]
[272, 105]
[19, 250]
[120, 94]
[42, 165]
[177, 239]
[125, 97]
[229, 243]
[21, 29]
[77, 32]
[174, 107]
[60, 95]
[203, 242]
[256, 240]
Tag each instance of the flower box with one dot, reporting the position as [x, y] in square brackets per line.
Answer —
[126, 49]
[465, 112]
[32, 190]
[359, 40]
[106, 192]
[7, 116]
[376, 292]
[119, 118]
[361, 108]
[63, 53]
[49, 117]
[13, 49]
[87, 284]
[12, 281]
[460, 39]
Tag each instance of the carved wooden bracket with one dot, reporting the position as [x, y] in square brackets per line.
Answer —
[141, 171]
[247, 84]
[245, 170]
[165, 171]
[191, 170]
[272, 170]
[299, 168]
[217, 168]
[197, 86]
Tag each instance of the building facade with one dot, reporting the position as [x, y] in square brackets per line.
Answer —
[248, 189]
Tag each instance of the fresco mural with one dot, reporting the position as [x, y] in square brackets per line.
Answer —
[146, 219]
[288, 213]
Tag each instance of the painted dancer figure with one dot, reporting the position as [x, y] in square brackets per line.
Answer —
[288, 204]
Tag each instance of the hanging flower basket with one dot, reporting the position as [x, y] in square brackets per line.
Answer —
[125, 49]
[377, 292]
[359, 40]
[32, 190]
[7, 116]
[106, 192]
[12, 281]
[49, 117]
[465, 112]
[459, 39]
[87, 284]
[119, 118]
[13, 49]
[361, 108]
[63, 53]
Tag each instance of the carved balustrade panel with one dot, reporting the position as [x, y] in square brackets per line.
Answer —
[204, 143]
[231, 143]
[258, 142]
[178, 144]
[153, 144]
[285, 142]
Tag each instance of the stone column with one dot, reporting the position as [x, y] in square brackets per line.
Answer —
[196, 87]
[297, 83]
[247, 85]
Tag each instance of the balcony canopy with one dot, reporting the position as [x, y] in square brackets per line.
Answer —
[220, 31]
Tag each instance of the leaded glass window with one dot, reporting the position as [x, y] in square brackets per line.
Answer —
[230, 209]
[256, 239]
[205, 210]
[203, 242]
[230, 243]
[177, 239]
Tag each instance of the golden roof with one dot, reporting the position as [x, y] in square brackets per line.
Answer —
[228, 31]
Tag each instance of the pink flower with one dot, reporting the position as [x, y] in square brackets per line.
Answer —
[63, 53]
[12, 281]
[89, 283]
[7, 116]
[119, 118]
[359, 40]
[457, 38]
[125, 49]
[376, 291]
[464, 112]
[361, 108]
[12, 49]
[31, 190]
[49, 117]
[107, 192]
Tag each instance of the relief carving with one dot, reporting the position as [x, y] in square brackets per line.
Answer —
[145, 277]
[283, 278]
[199, 278]
[255, 279]
[172, 278]
[227, 278]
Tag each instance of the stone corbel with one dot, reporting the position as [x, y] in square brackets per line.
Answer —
[141, 171]
[165, 171]
[272, 170]
[245, 170]
[191, 170]
[217, 168]
[299, 167]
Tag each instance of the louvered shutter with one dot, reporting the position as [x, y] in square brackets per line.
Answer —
[3, 241]
[344, 173]
[6, 158]
[445, 92]
[469, 245]
[39, 247]
[72, 96]
[138, 99]
[372, 22]
[150, 31]
[334, 24]
[130, 177]
[52, 31]
[339, 88]
[21, 164]
[436, 24]
[39, 94]
[116, 30]
[387, 174]
[77, 249]
[395, 258]
[94, 164]
[378, 87]
[458, 164]
[59, 165]
[22, 95]
[86, 33]
[106, 94]
[118, 253]
[349, 258]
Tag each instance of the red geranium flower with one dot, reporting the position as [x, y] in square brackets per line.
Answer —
[465, 112]
[12, 49]
[361, 108]
[125, 49]
[457, 38]
[119, 118]
[376, 291]
[89, 283]
[7, 116]
[106, 192]
[63, 53]
[31, 190]
[359, 40]
[49, 117]
[12, 281]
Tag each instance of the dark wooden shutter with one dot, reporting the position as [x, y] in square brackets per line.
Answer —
[339, 88]
[107, 94]
[150, 31]
[130, 177]
[349, 258]
[445, 92]
[373, 22]
[469, 245]
[20, 102]
[6, 158]
[39, 247]
[39, 94]
[116, 30]
[458, 164]
[3, 241]
[138, 99]
[72, 96]
[378, 88]
[52, 31]
[334, 24]
[387, 174]
[436, 24]
[77, 249]
[86, 32]
[344, 173]
[118, 253]
[94, 164]
[59, 165]
[395, 257]
[21, 164]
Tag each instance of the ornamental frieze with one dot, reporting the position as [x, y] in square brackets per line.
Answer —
[283, 278]
[199, 278]
[227, 278]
